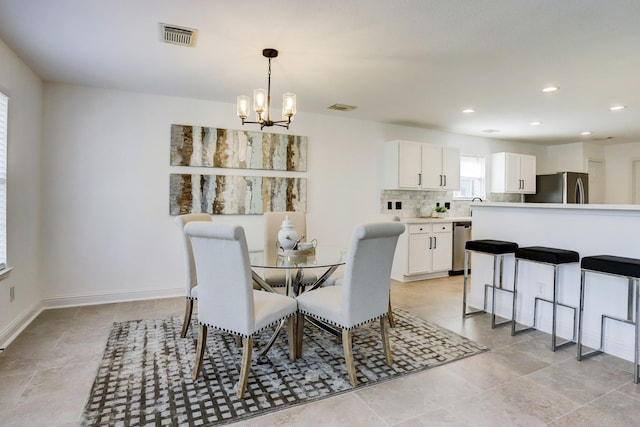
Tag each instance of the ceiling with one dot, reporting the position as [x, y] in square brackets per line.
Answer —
[409, 62]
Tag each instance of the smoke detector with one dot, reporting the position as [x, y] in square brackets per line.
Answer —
[181, 36]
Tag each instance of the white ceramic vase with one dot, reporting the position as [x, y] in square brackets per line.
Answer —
[425, 211]
[287, 236]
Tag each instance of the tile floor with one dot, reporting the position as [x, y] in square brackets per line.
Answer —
[46, 374]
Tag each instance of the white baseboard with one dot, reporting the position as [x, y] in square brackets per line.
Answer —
[110, 297]
[13, 329]
[416, 277]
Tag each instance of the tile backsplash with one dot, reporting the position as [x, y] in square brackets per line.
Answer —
[411, 202]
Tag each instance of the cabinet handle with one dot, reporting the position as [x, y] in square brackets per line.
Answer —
[430, 243]
[419, 179]
[440, 180]
[445, 180]
[435, 242]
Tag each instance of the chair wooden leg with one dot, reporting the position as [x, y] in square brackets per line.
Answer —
[246, 366]
[392, 320]
[292, 337]
[202, 345]
[188, 309]
[238, 340]
[348, 356]
[385, 341]
[299, 333]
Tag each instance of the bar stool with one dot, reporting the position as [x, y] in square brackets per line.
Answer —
[555, 258]
[620, 267]
[497, 248]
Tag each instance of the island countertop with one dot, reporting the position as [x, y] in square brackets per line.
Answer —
[563, 206]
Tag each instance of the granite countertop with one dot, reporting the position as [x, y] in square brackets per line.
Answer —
[435, 220]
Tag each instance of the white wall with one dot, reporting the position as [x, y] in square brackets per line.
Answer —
[565, 157]
[619, 173]
[24, 89]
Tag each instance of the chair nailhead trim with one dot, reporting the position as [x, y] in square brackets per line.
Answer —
[274, 323]
[339, 325]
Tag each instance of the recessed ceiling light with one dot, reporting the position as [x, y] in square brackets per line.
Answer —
[468, 110]
[585, 133]
[491, 130]
[550, 89]
[535, 123]
[617, 108]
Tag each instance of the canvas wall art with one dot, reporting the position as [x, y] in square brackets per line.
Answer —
[235, 195]
[226, 148]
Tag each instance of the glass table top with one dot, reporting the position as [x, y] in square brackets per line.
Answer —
[325, 256]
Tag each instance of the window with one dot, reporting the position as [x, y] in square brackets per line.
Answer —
[4, 109]
[472, 178]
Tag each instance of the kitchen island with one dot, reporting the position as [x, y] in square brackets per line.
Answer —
[589, 230]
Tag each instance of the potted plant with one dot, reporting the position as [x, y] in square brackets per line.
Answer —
[440, 211]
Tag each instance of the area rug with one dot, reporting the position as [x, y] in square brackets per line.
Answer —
[145, 375]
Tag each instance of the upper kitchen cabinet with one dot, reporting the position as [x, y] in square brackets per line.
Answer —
[420, 166]
[513, 173]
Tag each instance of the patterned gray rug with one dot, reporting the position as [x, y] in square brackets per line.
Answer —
[145, 375]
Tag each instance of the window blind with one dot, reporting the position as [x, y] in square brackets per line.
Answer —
[4, 113]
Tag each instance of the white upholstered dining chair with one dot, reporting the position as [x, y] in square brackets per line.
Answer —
[364, 294]
[226, 298]
[337, 279]
[191, 284]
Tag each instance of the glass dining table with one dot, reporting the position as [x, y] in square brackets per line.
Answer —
[327, 258]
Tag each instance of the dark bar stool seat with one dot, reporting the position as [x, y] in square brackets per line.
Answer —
[497, 248]
[554, 257]
[615, 266]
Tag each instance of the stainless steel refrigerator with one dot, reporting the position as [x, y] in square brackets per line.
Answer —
[561, 187]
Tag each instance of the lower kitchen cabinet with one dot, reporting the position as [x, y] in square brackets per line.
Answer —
[424, 251]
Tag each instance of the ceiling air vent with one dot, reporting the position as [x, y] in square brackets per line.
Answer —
[342, 107]
[181, 36]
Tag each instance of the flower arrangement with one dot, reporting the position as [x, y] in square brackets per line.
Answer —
[440, 209]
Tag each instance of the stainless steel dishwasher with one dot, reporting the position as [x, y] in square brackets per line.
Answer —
[461, 234]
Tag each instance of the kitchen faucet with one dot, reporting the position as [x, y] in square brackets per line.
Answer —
[474, 199]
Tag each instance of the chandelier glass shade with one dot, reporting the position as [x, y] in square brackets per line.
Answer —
[262, 102]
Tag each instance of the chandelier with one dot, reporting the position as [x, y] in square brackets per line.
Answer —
[262, 102]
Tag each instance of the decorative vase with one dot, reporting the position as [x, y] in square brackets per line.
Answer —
[287, 236]
[442, 214]
[425, 211]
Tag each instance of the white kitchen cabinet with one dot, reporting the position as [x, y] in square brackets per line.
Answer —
[442, 247]
[513, 173]
[424, 251]
[420, 166]
[409, 165]
[419, 247]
